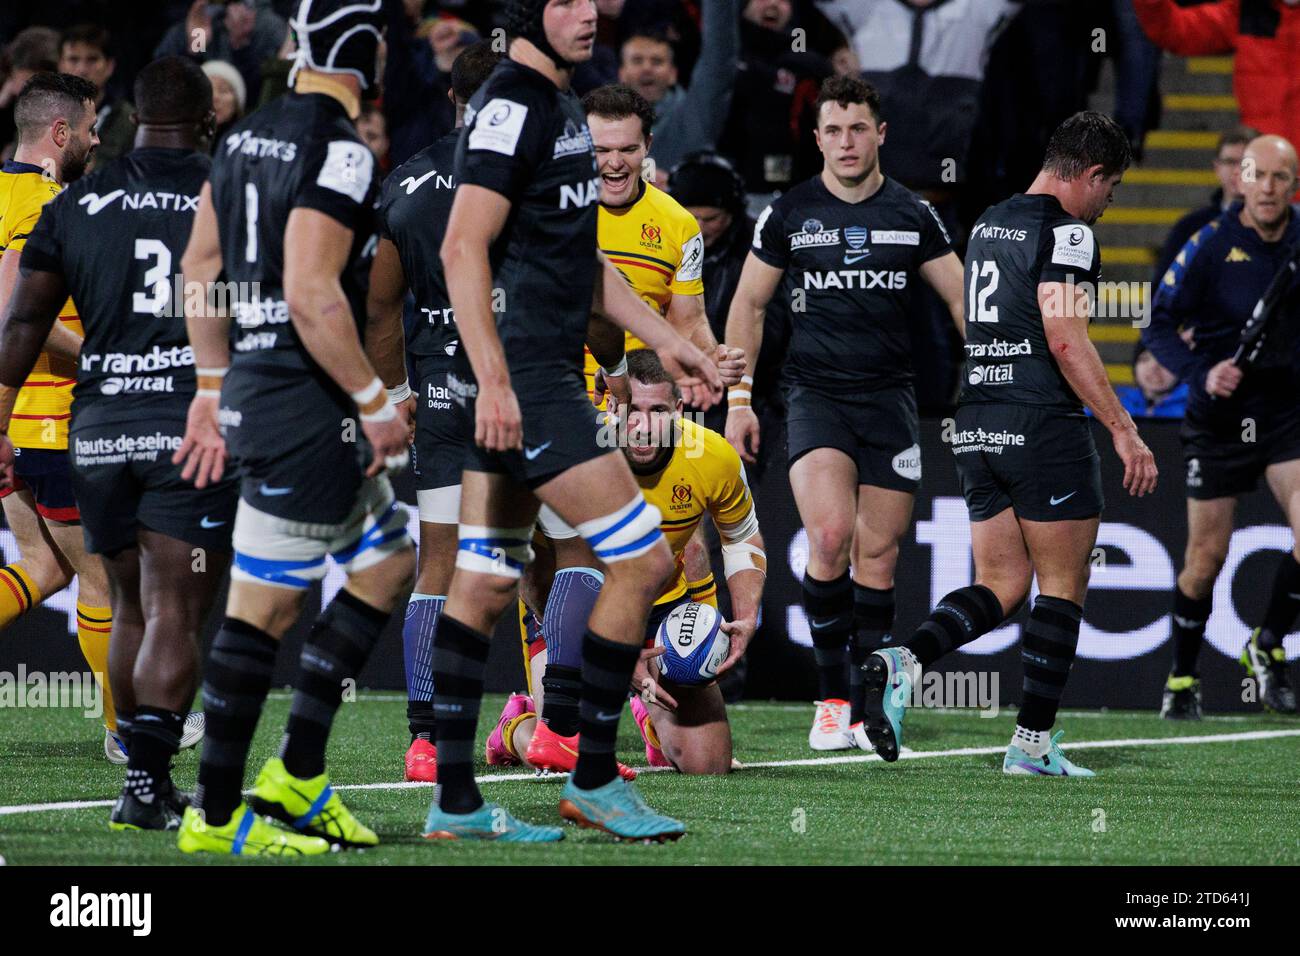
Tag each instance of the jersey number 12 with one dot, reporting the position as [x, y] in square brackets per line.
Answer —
[977, 304]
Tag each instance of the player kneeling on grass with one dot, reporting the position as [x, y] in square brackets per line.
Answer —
[686, 471]
[1029, 470]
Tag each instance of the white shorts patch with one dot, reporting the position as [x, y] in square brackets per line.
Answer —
[907, 463]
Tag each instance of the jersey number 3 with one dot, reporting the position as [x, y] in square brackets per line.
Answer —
[977, 303]
[157, 289]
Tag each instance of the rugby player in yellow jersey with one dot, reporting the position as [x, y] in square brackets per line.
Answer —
[686, 471]
[55, 118]
[656, 246]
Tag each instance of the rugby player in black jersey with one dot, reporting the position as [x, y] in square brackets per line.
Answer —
[524, 219]
[845, 249]
[111, 241]
[414, 204]
[284, 217]
[1028, 466]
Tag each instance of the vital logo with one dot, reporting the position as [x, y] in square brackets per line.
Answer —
[76, 909]
[991, 374]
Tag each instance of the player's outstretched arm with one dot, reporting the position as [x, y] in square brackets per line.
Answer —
[385, 342]
[944, 275]
[31, 308]
[694, 372]
[758, 283]
[478, 215]
[1065, 310]
[202, 454]
[316, 251]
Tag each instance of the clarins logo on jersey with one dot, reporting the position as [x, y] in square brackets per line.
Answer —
[856, 279]
[580, 195]
[998, 349]
[813, 233]
[167, 202]
[572, 141]
[250, 145]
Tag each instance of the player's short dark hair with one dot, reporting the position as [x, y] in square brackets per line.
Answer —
[844, 90]
[652, 34]
[471, 68]
[172, 89]
[644, 366]
[1087, 139]
[47, 97]
[1237, 136]
[91, 34]
[615, 101]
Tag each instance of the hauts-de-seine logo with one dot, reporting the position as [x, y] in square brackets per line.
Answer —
[856, 237]
[813, 233]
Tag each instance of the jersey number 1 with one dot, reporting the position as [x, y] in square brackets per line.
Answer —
[977, 307]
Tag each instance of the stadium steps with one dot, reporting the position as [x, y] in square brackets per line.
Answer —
[1175, 176]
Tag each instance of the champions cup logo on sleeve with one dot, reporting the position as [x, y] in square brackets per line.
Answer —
[1072, 246]
[498, 126]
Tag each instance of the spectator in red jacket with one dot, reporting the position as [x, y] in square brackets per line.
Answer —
[1264, 35]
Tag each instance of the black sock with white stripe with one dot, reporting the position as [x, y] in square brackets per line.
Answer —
[1189, 616]
[340, 641]
[236, 679]
[606, 675]
[460, 656]
[155, 740]
[1047, 650]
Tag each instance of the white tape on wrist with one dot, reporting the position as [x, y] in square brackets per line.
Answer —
[367, 395]
[385, 413]
[400, 394]
[619, 369]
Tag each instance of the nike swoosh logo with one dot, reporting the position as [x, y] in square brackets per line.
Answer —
[272, 492]
[602, 716]
[820, 627]
[849, 260]
[531, 453]
[1056, 501]
[412, 184]
[207, 523]
[94, 202]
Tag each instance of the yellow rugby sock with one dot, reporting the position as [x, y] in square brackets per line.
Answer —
[18, 593]
[703, 591]
[94, 626]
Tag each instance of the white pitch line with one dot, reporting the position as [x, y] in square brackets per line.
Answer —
[1119, 743]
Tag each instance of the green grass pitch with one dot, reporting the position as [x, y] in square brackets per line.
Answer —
[1214, 802]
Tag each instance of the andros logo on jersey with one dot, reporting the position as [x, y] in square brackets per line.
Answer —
[694, 642]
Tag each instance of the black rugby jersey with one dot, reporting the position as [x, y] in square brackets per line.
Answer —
[528, 141]
[414, 206]
[117, 237]
[300, 150]
[850, 269]
[1015, 245]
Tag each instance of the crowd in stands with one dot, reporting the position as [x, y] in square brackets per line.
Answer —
[971, 90]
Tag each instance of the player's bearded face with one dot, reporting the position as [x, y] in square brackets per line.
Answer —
[620, 154]
[650, 421]
[570, 27]
[82, 140]
[849, 139]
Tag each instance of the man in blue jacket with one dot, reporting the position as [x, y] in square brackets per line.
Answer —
[1242, 422]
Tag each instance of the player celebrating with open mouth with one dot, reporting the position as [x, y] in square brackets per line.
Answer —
[1029, 470]
[845, 249]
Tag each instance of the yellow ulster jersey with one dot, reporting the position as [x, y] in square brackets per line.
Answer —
[656, 245]
[703, 475]
[44, 405]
